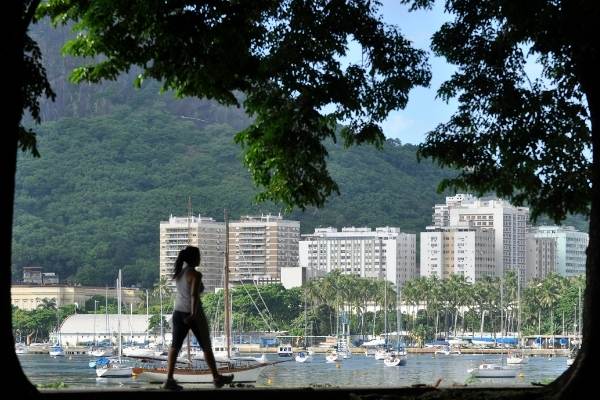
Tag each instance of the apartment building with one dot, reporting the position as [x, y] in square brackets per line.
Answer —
[384, 253]
[259, 246]
[464, 250]
[508, 222]
[541, 257]
[569, 247]
[205, 233]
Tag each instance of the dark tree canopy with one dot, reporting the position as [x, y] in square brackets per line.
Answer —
[35, 82]
[525, 137]
[532, 139]
[284, 56]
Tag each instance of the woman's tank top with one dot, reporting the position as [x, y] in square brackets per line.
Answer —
[183, 300]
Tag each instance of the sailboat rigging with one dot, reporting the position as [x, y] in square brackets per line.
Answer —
[116, 369]
[398, 356]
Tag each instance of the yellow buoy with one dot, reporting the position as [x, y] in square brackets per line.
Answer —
[337, 365]
[269, 381]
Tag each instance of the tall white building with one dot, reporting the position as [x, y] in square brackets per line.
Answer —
[570, 249]
[509, 224]
[466, 251]
[382, 253]
[441, 212]
[205, 233]
[259, 246]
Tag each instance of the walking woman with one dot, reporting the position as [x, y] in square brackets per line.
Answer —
[188, 314]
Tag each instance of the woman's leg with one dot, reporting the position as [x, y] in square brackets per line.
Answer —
[201, 331]
[173, 353]
[180, 331]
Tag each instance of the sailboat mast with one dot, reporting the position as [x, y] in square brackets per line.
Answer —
[189, 221]
[519, 304]
[398, 317]
[226, 288]
[385, 312]
[147, 321]
[119, 314]
[162, 331]
[106, 310]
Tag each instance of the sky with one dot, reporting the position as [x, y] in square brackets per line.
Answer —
[423, 111]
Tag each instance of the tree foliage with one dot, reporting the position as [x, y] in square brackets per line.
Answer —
[522, 135]
[35, 83]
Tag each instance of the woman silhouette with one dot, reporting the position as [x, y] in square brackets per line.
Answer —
[188, 314]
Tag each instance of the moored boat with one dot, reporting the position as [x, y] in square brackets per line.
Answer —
[491, 370]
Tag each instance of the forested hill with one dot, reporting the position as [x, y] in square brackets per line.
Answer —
[93, 202]
[115, 161]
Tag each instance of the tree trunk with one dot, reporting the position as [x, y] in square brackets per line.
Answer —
[13, 60]
[582, 19]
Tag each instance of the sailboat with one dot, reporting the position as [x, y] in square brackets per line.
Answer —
[398, 356]
[304, 355]
[56, 350]
[382, 353]
[491, 369]
[517, 357]
[116, 369]
[244, 369]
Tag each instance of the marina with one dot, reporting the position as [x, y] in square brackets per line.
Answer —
[359, 370]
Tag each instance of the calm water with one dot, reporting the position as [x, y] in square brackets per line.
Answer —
[356, 371]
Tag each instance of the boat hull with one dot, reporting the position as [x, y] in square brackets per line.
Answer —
[241, 375]
[118, 372]
[394, 362]
[494, 371]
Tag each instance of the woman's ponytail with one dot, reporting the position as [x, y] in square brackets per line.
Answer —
[179, 263]
[190, 254]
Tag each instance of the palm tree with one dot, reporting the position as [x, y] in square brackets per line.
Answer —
[47, 304]
[410, 296]
[551, 290]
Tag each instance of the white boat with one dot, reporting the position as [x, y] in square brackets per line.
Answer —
[242, 374]
[570, 361]
[221, 354]
[21, 348]
[101, 352]
[285, 350]
[442, 350]
[116, 368]
[395, 360]
[381, 354]
[516, 358]
[56, 350]
[457, 342]
[332, 356]
[490, 370]
[303, 357]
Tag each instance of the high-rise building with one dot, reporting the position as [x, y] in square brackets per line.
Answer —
[569, 246]
[508, 222]
[259, 246]
[384, 253]
[541, 256]
[462, 250]
[205, 233]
